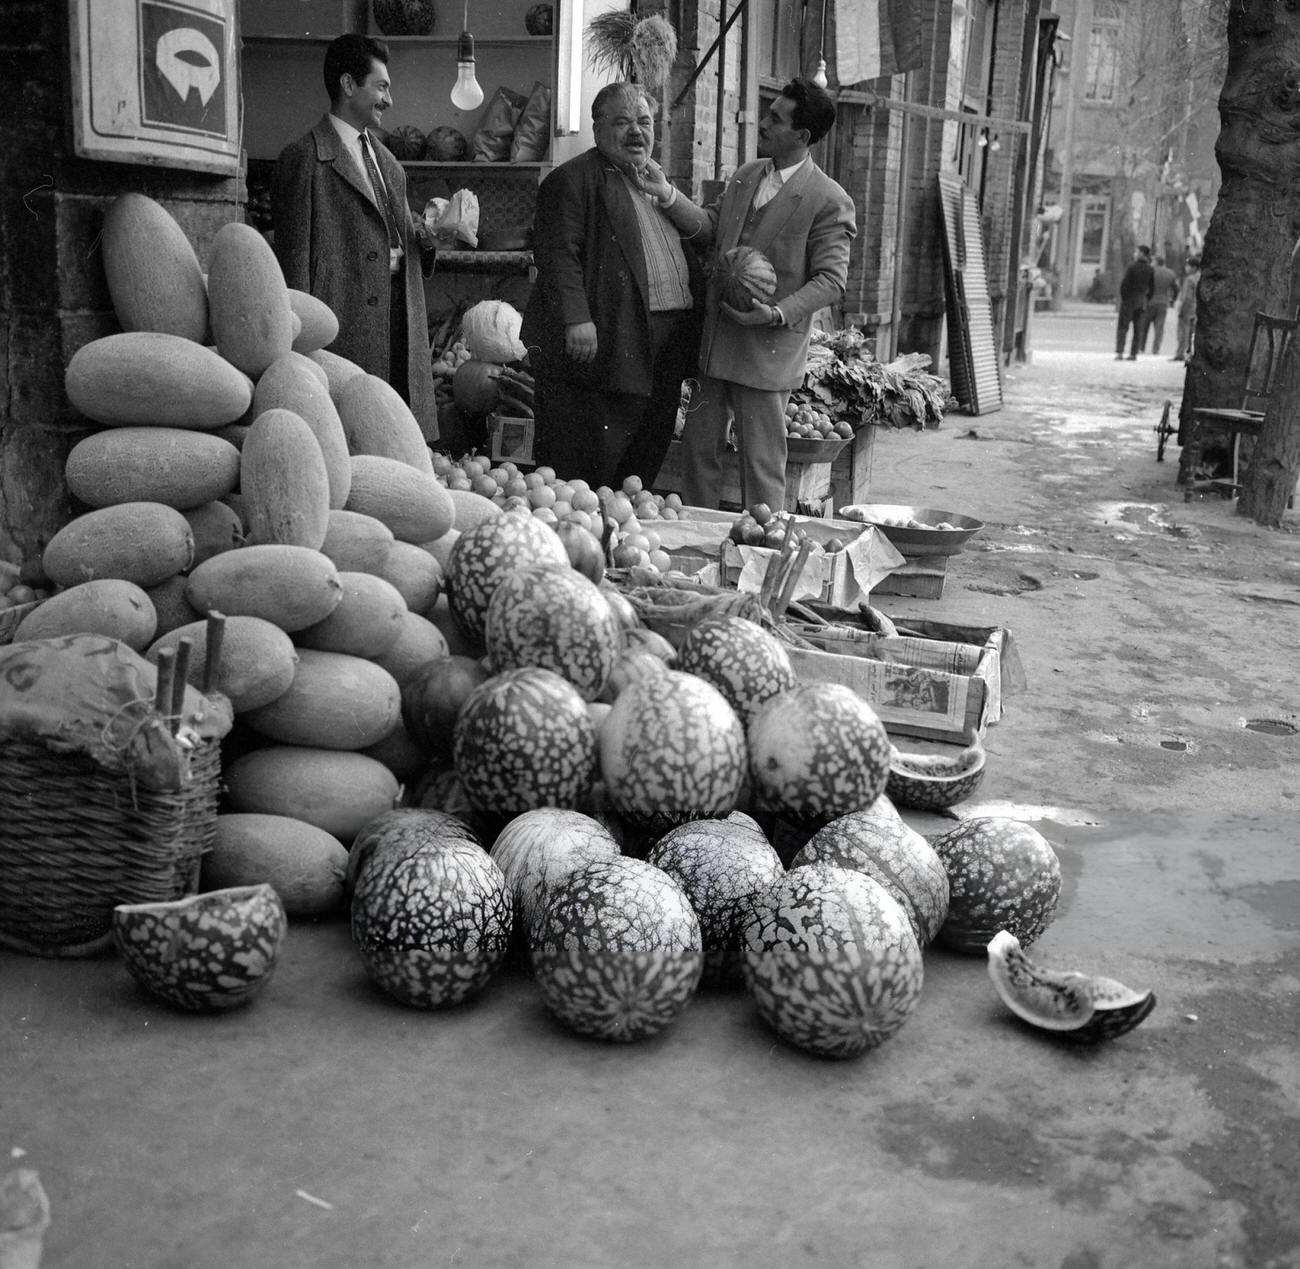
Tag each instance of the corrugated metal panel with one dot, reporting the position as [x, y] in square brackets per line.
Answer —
[972, 348]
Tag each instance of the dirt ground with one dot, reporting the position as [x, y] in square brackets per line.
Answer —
[326, 1126]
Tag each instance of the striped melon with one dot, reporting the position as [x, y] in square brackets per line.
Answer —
[154, 277]
[831, 960]
[524, 739]
[616, 950]
[746, 663]
[145, 378]
[672, 750]
[484, 555]
[817, 751]
[893, 854]
[556, 619]
[176, 466]
[720, 865]
[431, 911]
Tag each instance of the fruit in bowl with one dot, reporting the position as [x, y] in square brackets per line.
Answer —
[810, 422]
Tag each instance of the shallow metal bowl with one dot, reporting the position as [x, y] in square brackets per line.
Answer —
[914, 541]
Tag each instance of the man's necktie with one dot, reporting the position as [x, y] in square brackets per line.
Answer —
[381, 197]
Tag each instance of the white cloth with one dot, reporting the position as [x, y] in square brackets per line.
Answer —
[770, 186]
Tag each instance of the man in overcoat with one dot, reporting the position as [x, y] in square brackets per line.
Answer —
[345, 233]
[786, 207]
[612, 324]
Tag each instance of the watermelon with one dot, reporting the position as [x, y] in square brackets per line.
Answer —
[744, 276]
[485, 554]
[672, 750]
[1002, 875]
[557, 619]
[893, 854]
[831, 960]
[617, 950]
[817, 751]
[524, 739]
[432, 697]
[539, 849]
[721, 865]
[746, 663]
[439, 788]
[431, 911]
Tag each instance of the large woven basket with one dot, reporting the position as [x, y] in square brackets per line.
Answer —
[674, 605]
[75, 840]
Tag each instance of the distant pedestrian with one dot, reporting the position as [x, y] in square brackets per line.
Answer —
[1187, 308]
[1164, 293]
[1135, 289]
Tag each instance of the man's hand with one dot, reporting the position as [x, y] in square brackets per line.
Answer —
[580, 342]
[759, 315]
[651, 180]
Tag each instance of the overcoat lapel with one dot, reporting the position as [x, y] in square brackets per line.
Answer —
[622, 218]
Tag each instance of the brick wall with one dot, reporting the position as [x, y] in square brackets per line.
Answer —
[53, 297]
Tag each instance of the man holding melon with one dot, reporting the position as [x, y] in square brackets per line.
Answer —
[801, 224]
[344, 231]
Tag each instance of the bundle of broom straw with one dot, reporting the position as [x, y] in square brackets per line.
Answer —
[639, 50]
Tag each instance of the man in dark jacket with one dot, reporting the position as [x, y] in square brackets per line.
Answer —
[345, 233]
[1135, 289]
[612, 326]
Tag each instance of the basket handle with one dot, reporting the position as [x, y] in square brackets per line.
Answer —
[180, 679]
[212, 660]
[162, 693]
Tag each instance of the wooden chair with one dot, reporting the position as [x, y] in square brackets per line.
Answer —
[1269, 337]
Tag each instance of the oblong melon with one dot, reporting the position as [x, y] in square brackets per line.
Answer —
[146, 378]
[419, 643]
[335, 789]
[377, 421]
[415, 573]
[338, 370]
[176, 466]
[216, 527]
[140, 542]
[284, 486]
[303, 864]
[154, 277]
[336, 701]
[248, 301]
[169, 602]
[366, 623]
[256, 664]
[411, 503]
[471, 509]
[292, 587]
[357, 543]
[294, 382]
[119, 609]
[319, 324]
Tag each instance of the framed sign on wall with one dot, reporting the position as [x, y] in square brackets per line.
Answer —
[157, 81]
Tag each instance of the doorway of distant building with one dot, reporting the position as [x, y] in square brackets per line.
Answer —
[1091, 220]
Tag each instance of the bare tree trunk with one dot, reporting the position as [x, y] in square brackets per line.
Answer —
[1245, 265]
[1275, 460]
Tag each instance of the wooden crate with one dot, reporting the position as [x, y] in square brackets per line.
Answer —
[920, 577]
[851, 471]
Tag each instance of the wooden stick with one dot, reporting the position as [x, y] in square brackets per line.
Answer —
[162, 692]
[180, 682]
[792, 578]
[216, 633]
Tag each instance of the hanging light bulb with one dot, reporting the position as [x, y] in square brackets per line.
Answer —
[819, 76]
[466, 95]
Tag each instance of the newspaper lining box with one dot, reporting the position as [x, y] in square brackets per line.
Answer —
[934, 683]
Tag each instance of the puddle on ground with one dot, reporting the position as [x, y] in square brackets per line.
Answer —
[1141, 515]
[1270, 726]
[1026, 812]
[1167, 742]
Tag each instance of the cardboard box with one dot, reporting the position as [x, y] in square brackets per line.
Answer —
[698, 544]
[510, 439]
[942, 682]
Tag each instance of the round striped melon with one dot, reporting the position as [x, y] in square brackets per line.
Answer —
[1002, 875]
[557, 619]
[671, 750]
[431, 912]
[831, 960]
[746, 663]
[539, 849]
[721, 865]
[484, 555]
[524, 739]
[893, 854]
[817, 751]
[616, 950]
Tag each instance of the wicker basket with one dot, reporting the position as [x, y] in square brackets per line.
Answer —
[77, 840]
[673, 608]
[11, 618]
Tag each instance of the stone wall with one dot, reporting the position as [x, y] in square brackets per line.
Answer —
[53, 296]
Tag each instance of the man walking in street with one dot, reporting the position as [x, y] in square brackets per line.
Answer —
[1135, 289]
[1164, 293]
[784, 206]
[1187, 308]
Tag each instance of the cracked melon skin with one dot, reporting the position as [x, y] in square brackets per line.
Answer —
[817, 751]
[721, 865]
[431, 914]
[617, 950]
[205, 952]
[743, 661]
[893, 854]
[1002, 875]
[831, 960]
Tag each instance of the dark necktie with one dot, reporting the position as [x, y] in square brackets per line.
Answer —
[372, 170]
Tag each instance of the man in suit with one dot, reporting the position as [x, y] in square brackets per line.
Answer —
[612, 324]
[345, 233]
[786, 207]
[1135, 290]
[1164, 292]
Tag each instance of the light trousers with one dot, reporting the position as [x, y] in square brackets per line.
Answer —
[759, 416]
